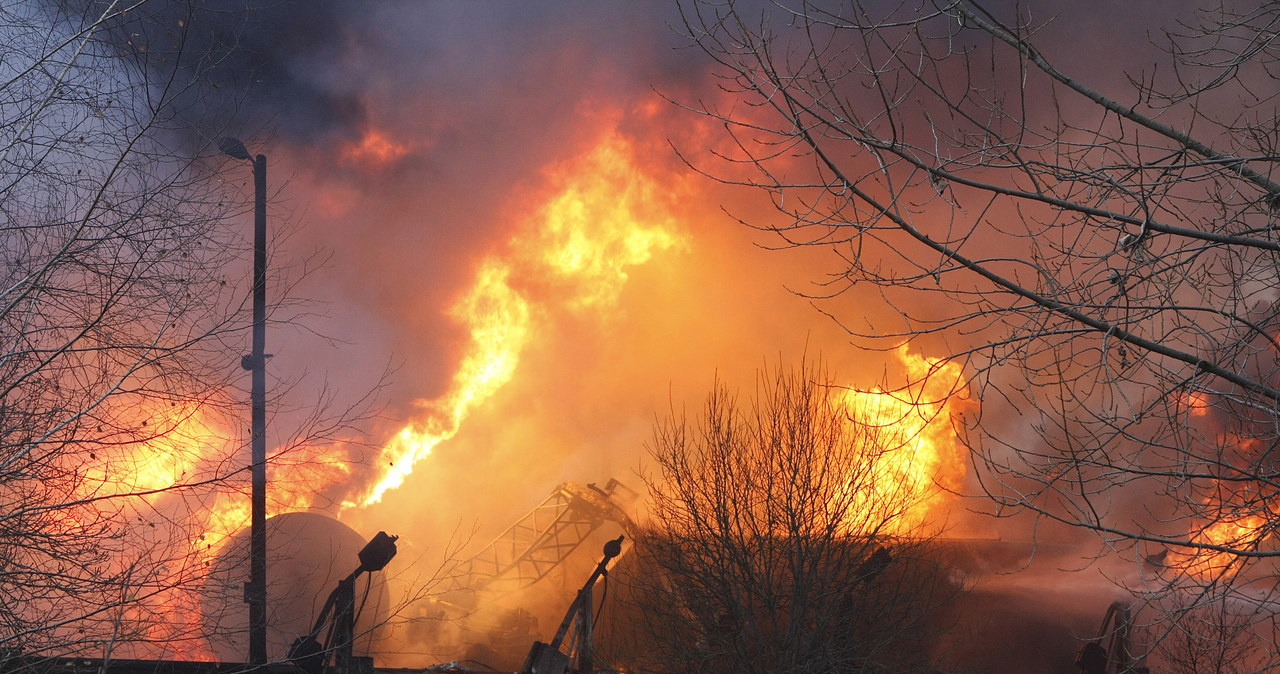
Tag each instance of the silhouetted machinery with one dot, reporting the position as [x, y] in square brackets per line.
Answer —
[1110, 652]
[549, 658]
[542, 539]
[307, 652]
[492, 591]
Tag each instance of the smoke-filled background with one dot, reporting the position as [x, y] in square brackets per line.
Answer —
[497, 257]
[502, 217]
[489, 208]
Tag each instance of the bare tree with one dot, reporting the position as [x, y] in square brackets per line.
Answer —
[779, 541]
[1219, 637]
[1097, 245]
[1103, 257]
[119, 330]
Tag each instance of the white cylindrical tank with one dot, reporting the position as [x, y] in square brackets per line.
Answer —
[307, 555]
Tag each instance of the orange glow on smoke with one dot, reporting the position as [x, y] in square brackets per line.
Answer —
[604, 216]
[924, 460]
[374, 149]
[151, 453]
[1197, 404]
[294, 481]
[174, 448]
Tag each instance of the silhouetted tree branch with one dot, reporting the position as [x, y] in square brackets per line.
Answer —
[780, 540]
[121, 330]
[1098, 246]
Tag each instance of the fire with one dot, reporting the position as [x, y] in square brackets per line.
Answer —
[228, 514]
[600, 224]
[1239, 533]
[1236, 513]
[183, 447]
[150, 459]
[177, 451]
[1194, 402]
[499, 320]
[160, 448]
[923, 461]
[604, 217]
[294, 475]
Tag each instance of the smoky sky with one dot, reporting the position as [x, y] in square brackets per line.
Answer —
[486, 95]
[301, 72]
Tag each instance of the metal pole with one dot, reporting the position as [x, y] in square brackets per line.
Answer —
[586, 604]
[258, 364]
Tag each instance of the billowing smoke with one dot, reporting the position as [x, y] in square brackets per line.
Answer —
[410, 145]
[494, 189]
[484, 199]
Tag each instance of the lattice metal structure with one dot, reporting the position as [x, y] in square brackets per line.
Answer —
[533, 546]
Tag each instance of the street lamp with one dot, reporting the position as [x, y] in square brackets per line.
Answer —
[255, 591]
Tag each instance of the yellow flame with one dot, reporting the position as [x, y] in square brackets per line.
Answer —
[499, 321]
[1240, 533]
[924, 460]
[605, 216]
[1235, 513]
[176, 437]
[608, 217]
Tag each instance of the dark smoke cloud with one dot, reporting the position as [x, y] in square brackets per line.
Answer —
[303, 71]
[485, 95]
[242, 65]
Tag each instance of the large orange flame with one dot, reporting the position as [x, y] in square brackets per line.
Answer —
[923, 460]
[604, 217]
[158, 446]
[1243, 530]
[1234, 514]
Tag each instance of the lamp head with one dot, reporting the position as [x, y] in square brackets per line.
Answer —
[232, 147]
[378, 552]
[613, 548]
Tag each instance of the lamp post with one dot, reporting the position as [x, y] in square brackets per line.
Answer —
[255, 591]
